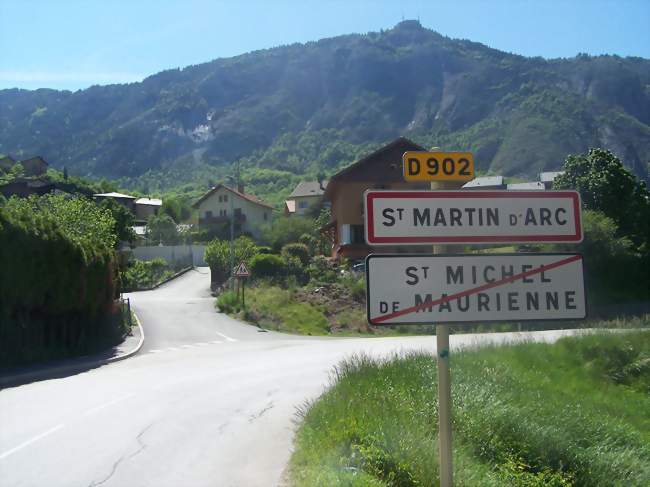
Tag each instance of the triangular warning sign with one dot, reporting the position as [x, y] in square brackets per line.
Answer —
[242, 270]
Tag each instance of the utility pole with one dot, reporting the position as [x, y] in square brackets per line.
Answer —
[232, 239]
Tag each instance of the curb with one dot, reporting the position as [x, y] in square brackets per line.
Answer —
[62, 370]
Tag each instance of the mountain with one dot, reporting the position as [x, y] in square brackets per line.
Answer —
[307, 108]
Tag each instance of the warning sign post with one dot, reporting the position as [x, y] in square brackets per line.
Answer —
[474, 287]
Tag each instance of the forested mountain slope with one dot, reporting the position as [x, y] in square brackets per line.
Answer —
[305, 108]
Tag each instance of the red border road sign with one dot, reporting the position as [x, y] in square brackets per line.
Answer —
[467, 288]
[564, 224]
[242, 270]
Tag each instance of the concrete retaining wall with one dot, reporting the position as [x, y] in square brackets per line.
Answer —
[173, 254]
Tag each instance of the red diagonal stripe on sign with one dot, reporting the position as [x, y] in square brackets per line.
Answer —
[484, 287]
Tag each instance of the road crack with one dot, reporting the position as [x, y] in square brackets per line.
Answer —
[259, 414]
[125, 457]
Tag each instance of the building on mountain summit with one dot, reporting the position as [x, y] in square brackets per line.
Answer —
[218, 205]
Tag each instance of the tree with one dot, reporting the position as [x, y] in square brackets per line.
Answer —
[286, 230]
[217, 255]
[124, 221]
[605, 185]
[162, 229]
[177, 208]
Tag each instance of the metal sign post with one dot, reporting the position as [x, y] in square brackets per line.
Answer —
[241, 273]
[447, 287]
[444, 375]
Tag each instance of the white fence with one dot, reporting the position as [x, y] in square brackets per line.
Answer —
[173, 254]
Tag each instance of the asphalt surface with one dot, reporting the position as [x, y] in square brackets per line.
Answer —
[209, 401]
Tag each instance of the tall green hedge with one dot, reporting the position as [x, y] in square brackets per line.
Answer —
[57, 277]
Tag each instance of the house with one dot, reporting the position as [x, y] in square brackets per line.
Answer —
[6, 163]
[124, 199]
[22, 188]
[219, 204]
[535, 185]
[486, 182]
[380, 170]
[146, 207]
[36, 166]
[305, 196]
[547, 178]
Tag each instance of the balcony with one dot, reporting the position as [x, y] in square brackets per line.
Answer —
[220, 220]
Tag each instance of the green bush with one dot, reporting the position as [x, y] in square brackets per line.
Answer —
[267, 265]
[228, 302]
[217, 255]
[298, 250]
[142, 274]
[322, 270]
[57, 279]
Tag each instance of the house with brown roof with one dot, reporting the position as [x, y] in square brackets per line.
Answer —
[6, 163]
[219, 204]
[304, 197]
[34, 166]
[380, 170]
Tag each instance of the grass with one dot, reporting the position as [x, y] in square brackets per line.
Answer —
[275, 308]
[575, 413]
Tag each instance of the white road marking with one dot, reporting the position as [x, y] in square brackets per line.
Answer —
[110, 403]
[228, 339]
[187, 346]
[155, 351]
[29, 442]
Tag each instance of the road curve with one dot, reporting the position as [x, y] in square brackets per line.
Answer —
[208, 402]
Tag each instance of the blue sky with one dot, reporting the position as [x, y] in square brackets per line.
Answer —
[72, 44]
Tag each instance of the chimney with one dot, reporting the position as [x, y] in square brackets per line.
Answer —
[240, 187]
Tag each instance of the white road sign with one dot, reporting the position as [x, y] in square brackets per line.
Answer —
[242, 270]
[429, 217]
[408, 289]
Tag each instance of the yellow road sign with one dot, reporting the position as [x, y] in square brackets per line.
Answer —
[438, 166]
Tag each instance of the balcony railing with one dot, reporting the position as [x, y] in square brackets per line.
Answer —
[218, 220]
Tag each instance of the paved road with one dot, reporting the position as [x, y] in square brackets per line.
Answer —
[209, 401]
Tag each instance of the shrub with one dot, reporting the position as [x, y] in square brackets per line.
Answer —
[298, 250]
[217, 255]
[145, 274]
[267, 265]
[57, 278]
[228, 302]
[322, 270]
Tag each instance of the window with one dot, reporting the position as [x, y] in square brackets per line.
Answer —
[266, 216]
[220, 198]
[352, 234]
[223, 213]
[303, 204]
[237, 212]
[225, 198]
[208, 214]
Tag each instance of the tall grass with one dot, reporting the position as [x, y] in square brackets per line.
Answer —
[573, 413]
